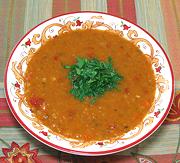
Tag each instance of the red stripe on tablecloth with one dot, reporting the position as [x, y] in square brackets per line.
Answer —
[7, 119]
[74, 5]
[113, 7]
[81, 159]
[165, 158]
[171, 17]
[3, 104]
[58, 7]
[48, 158]
[171, 122]
[19, 12]
[123, 8]
[129, 11]
[61, 7]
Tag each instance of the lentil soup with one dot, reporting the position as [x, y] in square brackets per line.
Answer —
[47, 87]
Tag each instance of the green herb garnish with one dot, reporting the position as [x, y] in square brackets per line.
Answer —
[92, 78]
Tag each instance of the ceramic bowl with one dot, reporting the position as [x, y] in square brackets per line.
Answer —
[36, 37]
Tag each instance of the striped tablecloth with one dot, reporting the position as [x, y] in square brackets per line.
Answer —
[160, 17]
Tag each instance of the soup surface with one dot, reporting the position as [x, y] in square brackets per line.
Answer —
[115, 113]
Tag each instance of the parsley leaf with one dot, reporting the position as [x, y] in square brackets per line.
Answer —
[92, 78]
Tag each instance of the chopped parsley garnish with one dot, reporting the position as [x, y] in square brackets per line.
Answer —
[92, 78]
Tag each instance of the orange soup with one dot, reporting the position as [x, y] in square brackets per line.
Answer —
[47, 87]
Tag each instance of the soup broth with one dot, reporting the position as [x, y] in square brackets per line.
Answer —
[116, 112]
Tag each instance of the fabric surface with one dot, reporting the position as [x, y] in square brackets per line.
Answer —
[161, 18]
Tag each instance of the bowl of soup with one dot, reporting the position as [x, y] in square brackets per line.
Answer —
[89, 83]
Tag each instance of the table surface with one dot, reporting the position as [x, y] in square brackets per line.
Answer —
[160, 17]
